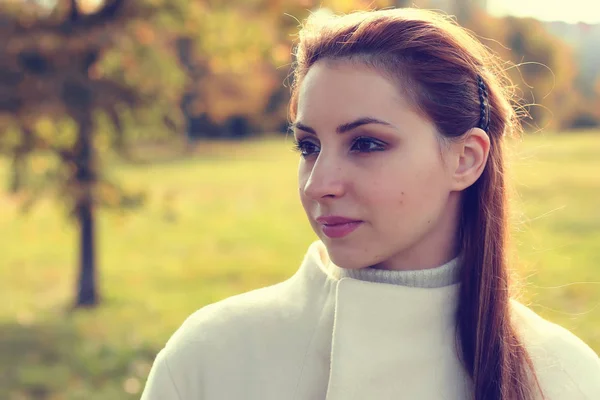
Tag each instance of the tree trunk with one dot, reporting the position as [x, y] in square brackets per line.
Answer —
[87, 293]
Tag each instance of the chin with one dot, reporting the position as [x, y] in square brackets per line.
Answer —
[346, 256]
[357, 254]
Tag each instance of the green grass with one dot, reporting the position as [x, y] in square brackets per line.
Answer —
[227, 221]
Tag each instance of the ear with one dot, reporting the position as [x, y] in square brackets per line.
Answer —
[470, 155]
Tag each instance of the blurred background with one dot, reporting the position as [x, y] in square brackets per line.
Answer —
[145, 171]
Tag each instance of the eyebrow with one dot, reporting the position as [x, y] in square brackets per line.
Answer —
[344, 127]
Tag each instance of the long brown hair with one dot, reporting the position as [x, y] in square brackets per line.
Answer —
[437, 64]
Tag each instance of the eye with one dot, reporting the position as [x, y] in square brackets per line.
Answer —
[367, 145]
[306, 148]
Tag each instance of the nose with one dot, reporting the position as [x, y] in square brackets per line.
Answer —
[325, 179]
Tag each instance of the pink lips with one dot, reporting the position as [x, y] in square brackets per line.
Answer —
[337, 227]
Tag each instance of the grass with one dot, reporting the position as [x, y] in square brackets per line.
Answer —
[228, 221]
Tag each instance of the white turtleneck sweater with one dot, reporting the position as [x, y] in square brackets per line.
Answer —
[335, 334]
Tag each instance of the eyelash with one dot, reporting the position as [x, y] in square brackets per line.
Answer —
[299, 145]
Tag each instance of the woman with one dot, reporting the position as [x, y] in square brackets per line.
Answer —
[399, 117]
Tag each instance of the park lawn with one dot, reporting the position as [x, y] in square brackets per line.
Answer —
[228, 220]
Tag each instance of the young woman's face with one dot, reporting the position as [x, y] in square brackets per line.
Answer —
[369, 158]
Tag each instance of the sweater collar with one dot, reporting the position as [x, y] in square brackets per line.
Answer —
[444, 275]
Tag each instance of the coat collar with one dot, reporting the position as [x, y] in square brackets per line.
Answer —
[402, 336]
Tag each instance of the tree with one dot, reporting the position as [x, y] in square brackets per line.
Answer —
[227, 59]
[63, 71]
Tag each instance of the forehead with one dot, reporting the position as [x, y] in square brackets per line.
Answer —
[340, 91]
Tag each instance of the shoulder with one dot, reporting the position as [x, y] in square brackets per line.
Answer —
[565, 365]
[213, 342]
[271, 317]
[231, 337]
[235, 316]
[265, 316]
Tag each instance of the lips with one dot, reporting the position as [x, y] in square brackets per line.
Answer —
[338, 227]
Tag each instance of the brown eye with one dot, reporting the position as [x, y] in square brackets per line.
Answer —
[367, 145]
[306, 148]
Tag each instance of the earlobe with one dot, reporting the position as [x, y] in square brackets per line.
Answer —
[472, 156]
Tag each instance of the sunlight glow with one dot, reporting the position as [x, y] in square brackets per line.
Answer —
[571, 11]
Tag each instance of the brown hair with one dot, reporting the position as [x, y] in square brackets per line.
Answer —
[437, 64]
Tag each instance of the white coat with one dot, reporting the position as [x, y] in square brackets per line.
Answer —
[317, 337]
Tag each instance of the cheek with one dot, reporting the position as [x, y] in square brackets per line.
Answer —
[424, 200]
[428, 177]
[411, 191]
